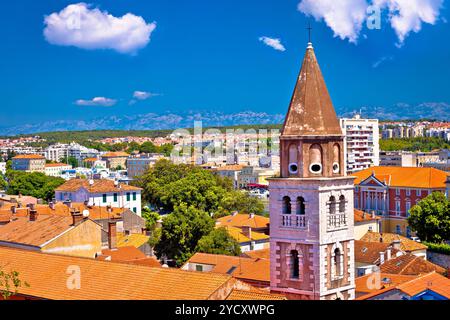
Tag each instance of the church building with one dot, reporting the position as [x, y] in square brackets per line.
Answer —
[311, 202]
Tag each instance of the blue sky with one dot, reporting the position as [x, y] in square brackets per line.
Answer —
[207, 55]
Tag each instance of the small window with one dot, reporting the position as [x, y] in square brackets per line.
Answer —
[342, 204]
[198, 268]
[418, 192]
[408, 192]
[295, 265]
[105, 197]
[287, 205]
[301, 206]
[398, 229]
[397, 192]
[135, 210]
[115, 197]
[315, 168]
[336, 167]
[338, 262]
[128, 196]
[293, 168]
[332, 204]
[134, 196]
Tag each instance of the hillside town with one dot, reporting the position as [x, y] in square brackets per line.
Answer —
[316, 211]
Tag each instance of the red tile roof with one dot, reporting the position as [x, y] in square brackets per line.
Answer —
[406, 244]
[29, 156]
[369, 252]
[99, 186]
[243, 220]
[409, 264]
[427, 178]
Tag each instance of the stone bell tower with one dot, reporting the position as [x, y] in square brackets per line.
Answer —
[311, 203]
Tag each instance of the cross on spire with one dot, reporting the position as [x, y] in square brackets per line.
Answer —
[309, 31]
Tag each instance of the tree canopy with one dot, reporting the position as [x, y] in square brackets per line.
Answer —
[219, 241]
[430, 218]
[33, 184]
[181, 232]
[168, 185]
[424, 144]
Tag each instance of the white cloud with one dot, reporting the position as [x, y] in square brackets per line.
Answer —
[142, 95]
[347, 17]
[98, 101]
[382, 60]
[85, 27]
[273, 43]
[344, 17]
[407, 16]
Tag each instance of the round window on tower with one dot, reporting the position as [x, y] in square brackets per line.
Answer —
[336, 167]
[315, 168]
[293, 168]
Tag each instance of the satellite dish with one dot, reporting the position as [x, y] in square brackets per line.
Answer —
[86, 213]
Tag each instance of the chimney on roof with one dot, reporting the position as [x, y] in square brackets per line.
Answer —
[51, 205]
[13, 209]
[373, 215]
[381, 258]
[33, 213]
[112, 234]
[396, 244]
[234, 214]
[77, 217]
[363, 215]
[247, 231]
[251, 215]
[388, 254]
[109, 208]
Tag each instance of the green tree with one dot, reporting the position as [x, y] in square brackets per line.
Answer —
[148, 147]
[33, 184]
[3, 183]
[241, 202]
[181, 231]
[151, 218]
[10, 284]
[430, 218]
[71, 161]
[219, 241]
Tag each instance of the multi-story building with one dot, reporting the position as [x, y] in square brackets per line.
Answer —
[362, 147]
[137, 166]
[29, 163]
[391, 192]
[231, 172]
[102, 193]
[56, 169]
[250, 175]
[116, 160]
[80, 152]
[56, 152]
[311, 204]
[398, 159]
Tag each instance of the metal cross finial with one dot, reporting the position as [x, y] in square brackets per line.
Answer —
[309, 31]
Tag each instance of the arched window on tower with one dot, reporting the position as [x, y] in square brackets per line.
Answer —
[287, 205]
[301, 210]
[295, 264]
[342, 204]
[315, 159]
[337, 263]
[336, 159]
[332, 205]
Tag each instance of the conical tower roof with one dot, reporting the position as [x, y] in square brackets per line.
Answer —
[311, 112]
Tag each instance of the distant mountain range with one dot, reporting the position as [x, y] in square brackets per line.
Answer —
[174, 120]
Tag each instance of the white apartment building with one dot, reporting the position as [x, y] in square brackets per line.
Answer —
[56, 152]
[101, 193]
[56, 169]
[362, 143]
[398, 159]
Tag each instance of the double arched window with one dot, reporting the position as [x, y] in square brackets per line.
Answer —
[287, 205]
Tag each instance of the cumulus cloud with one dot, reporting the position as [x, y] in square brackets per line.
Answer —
[347, 17]
[98, 101]
[85, 27]
[407, 16]
[344, 17]
[142, 95]
[273, 43]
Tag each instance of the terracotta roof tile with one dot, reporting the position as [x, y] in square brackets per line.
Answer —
[406, 244]
[56, 165]
[115, 155]
[361, 216]
[409, 264]
[34, 233]
[241, 220]
[366, 284]
[29, 156]
[122, 254]
[369, 252]
[134, 239]
[99, 186]
[238, 267]
[47, 278]
[428, 178]
[250, 295]
[240, 237]
[255, 254]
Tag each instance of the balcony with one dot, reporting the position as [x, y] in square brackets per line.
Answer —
[337, 221]
[293, 221]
